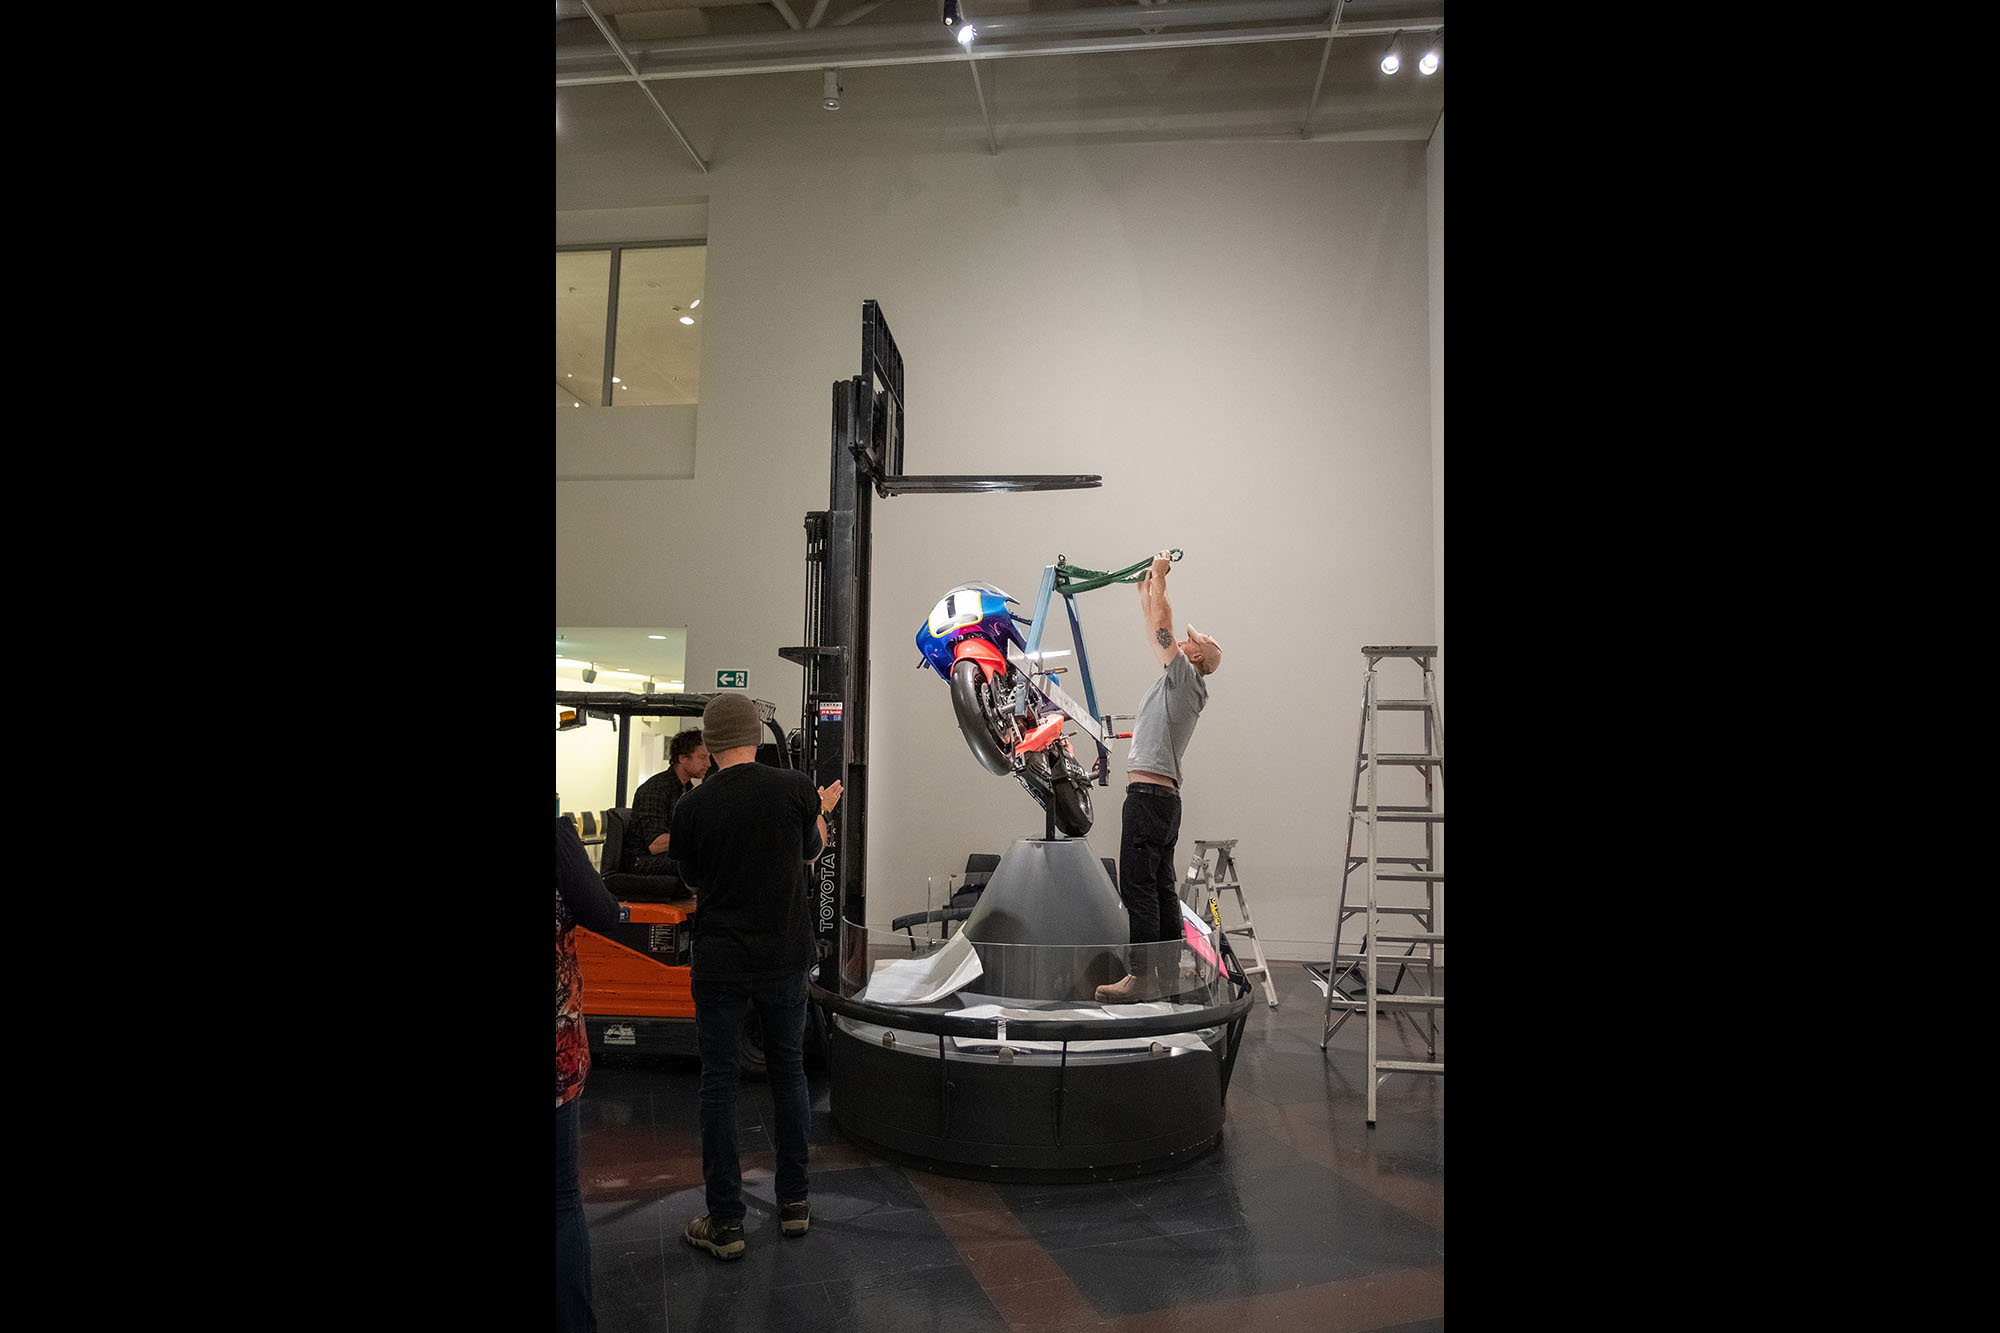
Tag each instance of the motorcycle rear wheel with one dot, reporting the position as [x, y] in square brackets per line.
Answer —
[1072, 800]
[978, 720]
[1066, 788]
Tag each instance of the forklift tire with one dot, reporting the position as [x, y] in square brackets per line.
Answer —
[815, 1048]
[750, 1063]
[750, 1048]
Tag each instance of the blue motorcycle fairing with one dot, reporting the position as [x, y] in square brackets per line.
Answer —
[970, 608]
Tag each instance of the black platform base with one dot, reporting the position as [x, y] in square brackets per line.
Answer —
[1036, 1117]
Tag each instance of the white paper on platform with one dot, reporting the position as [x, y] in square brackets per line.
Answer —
[924, 980]
[1092, 1013]
[1184, 1040]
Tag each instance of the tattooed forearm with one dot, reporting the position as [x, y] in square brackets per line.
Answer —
[1164, 638]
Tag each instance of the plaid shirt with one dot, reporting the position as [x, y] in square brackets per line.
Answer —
[652, 814]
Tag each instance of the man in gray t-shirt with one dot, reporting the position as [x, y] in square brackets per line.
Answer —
[1147, 881]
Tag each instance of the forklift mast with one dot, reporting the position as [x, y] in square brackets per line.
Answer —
[866, 463]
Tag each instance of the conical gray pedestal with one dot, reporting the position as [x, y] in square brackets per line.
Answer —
[1052, 893]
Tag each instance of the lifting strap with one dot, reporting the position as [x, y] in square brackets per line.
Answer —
[1073, 579]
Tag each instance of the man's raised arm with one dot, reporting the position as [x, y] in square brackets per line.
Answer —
[1154, 610]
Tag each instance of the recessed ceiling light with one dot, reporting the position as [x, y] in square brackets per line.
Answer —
[687, 319]
[656, 636]
[695, 304]
[614, 379]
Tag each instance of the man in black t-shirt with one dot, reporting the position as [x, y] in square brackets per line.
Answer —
[743, 839]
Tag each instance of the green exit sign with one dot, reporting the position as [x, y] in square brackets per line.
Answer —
[732, 680]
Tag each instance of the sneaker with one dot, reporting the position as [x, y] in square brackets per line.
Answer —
[1120, 992]
[794, 1218]
[719, 1239]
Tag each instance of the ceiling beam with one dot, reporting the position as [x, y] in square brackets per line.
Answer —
[625, 60]
[1332, 29]
[992, 144]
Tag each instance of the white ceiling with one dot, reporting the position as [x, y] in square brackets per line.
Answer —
[700, 76]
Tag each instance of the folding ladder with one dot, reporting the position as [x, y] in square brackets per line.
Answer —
[1204, 881]
[1415, 880]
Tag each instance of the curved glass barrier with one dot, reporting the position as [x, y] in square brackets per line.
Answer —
[924, 961]
[927, 982]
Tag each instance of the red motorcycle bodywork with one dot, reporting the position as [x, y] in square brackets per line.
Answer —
[990, 659]
[1043, 736]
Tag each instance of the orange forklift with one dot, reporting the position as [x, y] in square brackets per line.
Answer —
[637, 996]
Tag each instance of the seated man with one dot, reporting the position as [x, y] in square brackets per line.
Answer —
[653, 806]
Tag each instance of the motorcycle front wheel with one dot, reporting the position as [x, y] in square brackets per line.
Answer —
[978, 720]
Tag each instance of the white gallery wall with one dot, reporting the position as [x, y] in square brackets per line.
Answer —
[1242, 339]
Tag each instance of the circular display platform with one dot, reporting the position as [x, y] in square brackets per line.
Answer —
[1073, 1090]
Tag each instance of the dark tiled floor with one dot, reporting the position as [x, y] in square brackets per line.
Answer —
[1303, 1217]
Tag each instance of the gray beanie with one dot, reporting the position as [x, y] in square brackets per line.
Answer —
[730, 721]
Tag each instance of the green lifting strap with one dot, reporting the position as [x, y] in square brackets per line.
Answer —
[1073, 579]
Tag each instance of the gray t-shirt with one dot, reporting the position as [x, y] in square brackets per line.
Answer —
[1166, 719]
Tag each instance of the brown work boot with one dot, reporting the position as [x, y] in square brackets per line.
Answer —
[724, 1240]
[1128, 991]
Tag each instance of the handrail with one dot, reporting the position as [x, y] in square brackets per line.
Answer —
[1034, 1029]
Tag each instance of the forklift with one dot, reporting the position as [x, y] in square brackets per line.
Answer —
[638, 997]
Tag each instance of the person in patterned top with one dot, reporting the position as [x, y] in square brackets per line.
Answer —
[581, 900]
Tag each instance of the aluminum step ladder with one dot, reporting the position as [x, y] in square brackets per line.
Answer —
[1201, 890]
[1406, 885]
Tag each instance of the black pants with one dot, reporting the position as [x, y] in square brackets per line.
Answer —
[1147, 882]
[647, 863]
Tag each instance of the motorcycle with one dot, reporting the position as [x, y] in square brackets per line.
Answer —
[1010, 712]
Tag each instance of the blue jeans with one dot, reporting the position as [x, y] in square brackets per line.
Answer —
[719, 1007]
[573, 1314]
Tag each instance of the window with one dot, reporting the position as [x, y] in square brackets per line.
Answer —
[644, 347]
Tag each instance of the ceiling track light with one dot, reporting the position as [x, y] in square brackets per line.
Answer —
[961, 27]
[830, 94]
[1392, 59]
[1433, 55]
